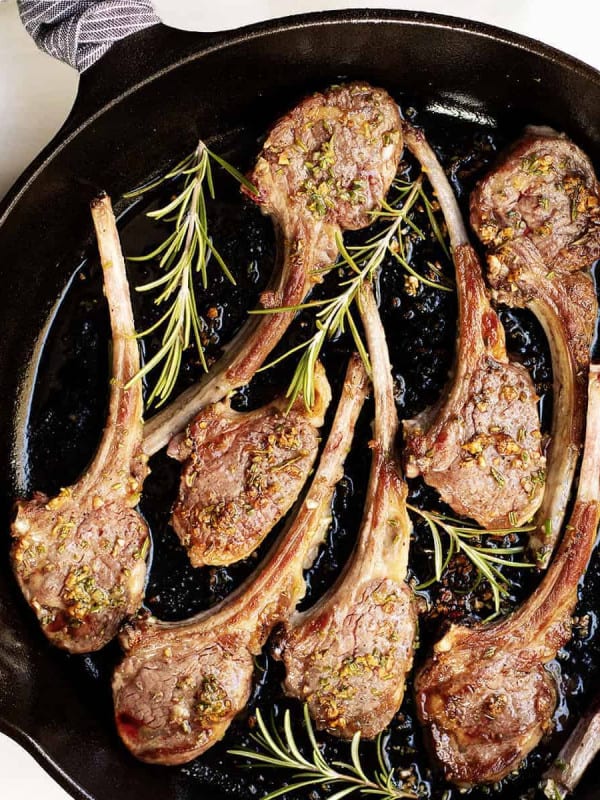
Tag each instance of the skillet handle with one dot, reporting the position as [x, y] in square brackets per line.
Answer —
[79, 32]
[114, 44]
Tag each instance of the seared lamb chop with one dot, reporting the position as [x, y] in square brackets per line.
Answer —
[480, 446]
[575, 757]
[323, 168]
[347, 656]
[242, 473]
[181, 684]
[485, 696]
[80, 557]
[538, 213]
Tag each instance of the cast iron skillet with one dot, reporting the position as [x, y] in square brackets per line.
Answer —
[149, 98]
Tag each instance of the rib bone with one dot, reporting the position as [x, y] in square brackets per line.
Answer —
[324, 167]
[242, 473]
[348, 655]
[480, 445]
[538, 213]
[181, 684]
[485, 696]
[578, 753]
[79, 557]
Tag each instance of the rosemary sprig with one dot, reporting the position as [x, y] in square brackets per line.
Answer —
[282, 752]
[462, 539]
[185, 252]
[361, 263]
[398, 245]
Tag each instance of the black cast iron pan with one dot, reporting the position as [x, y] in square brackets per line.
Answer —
[143, 105]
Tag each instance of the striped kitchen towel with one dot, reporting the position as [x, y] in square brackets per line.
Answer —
[80, 31]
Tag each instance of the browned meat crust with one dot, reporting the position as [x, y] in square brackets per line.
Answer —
[347, 657]
[538, 213]
[79, 557]
[242, 473]
[543, 189]
[181, 684]
[480, 446]
[324, 166]
[485, 696]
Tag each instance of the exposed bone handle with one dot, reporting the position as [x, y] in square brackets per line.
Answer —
[578, 753]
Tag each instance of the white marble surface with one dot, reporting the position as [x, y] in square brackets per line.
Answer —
[36, 94]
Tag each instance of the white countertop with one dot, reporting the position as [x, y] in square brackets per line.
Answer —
[36, 94]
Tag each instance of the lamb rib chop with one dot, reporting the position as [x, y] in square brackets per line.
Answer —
[80, 557]
[480, 445]
[323, 168]
[242, 473]
[348, 655]
[181, 684]
[581, 748]
[538, 213]
[485, 696]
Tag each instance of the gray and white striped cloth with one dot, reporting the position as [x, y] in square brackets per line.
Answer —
[80, 31]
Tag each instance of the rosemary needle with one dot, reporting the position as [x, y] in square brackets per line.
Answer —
[486, 560]
[185, 252]
[282, 751]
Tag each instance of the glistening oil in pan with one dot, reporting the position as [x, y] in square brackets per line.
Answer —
[69, 410]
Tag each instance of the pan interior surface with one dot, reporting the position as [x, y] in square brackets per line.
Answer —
[472, 93]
